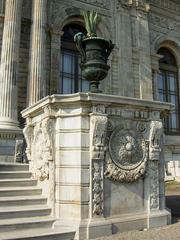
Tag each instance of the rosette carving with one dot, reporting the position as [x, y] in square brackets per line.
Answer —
[126, 157]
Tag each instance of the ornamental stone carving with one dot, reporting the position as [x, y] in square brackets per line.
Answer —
[156, 135]
[99, 136]
[97, 188]
[142, 5]
[127, 154]
[41, 149]
[29, 135]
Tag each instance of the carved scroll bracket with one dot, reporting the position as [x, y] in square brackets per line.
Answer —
[156, 136]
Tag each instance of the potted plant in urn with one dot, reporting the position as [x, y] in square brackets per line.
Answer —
[94, 51]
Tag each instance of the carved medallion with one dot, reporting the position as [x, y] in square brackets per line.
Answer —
[127, 156]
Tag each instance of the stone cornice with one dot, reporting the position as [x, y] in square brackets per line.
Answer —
[90, 99]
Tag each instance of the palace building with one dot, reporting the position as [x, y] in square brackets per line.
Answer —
[39, 58]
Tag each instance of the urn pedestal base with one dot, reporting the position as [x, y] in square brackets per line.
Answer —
[101, 159]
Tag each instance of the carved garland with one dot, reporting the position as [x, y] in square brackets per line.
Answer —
[127, 154]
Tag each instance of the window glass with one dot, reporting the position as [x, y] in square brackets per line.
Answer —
[168, 89]
[71, 79]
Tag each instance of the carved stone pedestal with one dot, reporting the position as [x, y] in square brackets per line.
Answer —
[99, 159]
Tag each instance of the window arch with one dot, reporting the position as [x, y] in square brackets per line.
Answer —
[168, 88]
[70, 73]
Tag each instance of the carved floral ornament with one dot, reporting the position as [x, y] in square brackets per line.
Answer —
[142, 5]
[39, 147]
[127, 154]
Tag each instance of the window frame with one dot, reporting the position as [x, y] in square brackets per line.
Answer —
[69, 46]
[168, 69]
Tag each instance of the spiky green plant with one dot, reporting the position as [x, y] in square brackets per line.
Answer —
[90, 19]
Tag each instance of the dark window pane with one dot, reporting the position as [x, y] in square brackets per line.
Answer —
[168, 88]
[71, 77]
[168, 57]
[161, 80]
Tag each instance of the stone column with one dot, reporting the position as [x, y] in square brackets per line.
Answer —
[37, 69]
[9, 65]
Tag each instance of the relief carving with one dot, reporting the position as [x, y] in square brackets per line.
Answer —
[42, 149]
[97, 188]
[28, 132]
[126, 157]
[99, 136]
[164, 22]
[154, 186]
[99, 129]
[156, 135]
[142, 5]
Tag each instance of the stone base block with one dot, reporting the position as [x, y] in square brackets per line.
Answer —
[159, 218]
[8, 144]
[99, 227]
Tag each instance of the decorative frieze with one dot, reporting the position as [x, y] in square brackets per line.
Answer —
[166, 4]
[99, 3]
[141, 5]
[164, 22]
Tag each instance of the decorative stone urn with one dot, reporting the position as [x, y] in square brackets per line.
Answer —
[95, 52]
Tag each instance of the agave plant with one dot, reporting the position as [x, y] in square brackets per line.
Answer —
[90, 19]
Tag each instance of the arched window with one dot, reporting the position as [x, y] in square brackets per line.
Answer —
[71, 76]
[168, 88]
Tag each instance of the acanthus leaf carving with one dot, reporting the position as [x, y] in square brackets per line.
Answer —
[42, 149]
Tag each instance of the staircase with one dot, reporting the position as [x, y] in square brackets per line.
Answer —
[24, 213]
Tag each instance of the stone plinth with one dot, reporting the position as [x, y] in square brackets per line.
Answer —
[99, 159]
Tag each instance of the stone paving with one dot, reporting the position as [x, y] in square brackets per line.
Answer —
[170, 232]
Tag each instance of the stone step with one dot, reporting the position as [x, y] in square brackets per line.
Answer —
[13, 167]
[22, 200]
[14, 174]
[20, 191]
[24, 211]
[26, 223]
[39, 234]
[17, 182]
